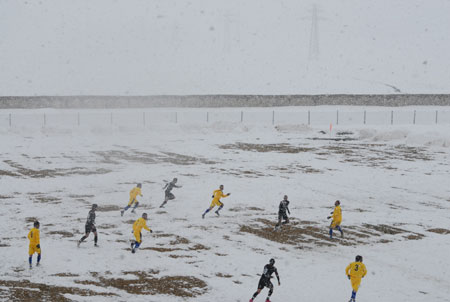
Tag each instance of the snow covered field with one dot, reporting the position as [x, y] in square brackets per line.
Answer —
[392, 180]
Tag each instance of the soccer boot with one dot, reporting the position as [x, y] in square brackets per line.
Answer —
[121, 212]
[78, 243]
[251, 300]
[133, 251]
[203, 216]
[267, 300]
[217, 213]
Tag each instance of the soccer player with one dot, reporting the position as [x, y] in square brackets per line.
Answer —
[133, 194]
[283, 207]
[355, 271]
[337, 219]
[168, 195]
[217, 195]
[264, 281]
[138, 225]
[90, 226]
[35, 243]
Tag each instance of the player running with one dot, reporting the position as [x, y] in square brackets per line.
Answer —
[133, 194]
[264, 281]
[168, 195]
[355, 271]
[90, 226]
[217, 195]
[337, 219]
[35, 243]
[283, 207]
[138, 225]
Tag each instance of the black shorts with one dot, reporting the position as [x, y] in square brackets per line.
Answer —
[264, 282]
[90, 228]
[169, 196]
[282, 215]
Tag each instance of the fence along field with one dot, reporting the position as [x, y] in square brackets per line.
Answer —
[263, 116]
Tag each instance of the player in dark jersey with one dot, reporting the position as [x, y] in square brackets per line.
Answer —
[269, 269]
[90, 226]
[283, 208]
[168, 195]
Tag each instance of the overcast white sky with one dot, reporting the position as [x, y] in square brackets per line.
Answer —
[149, 47]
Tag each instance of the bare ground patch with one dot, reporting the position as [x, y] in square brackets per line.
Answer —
[280, 148]
[146, 283]
[64, 234]
[118, 156]
[439, 231]
[307, 234]
[109, 208]
[26, 291]
[24, 172]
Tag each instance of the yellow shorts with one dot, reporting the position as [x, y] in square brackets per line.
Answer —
[355, 283]
[137, 235]
[335, 224]
[132, 200]
[215, 203]
[33, 249]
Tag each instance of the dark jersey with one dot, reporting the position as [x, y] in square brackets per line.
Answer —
[169, 186]
[284, 206]
[91, 218]
[268, 271]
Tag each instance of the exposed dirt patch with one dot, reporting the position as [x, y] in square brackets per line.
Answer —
[198, 247]
[118, 156]
[220, 275]
[4, 196]
[160, 249]
[239, 172]
[241, 209]
[30, 219]
[382, 228]
[179, 240]
[26, 291]
[109, 208]
[280, 148]
[64, 234]
[107, 226]
[46, 199]
[8, 173]
[4, 245]
[439, 231]
[146, 283]
[24, 172]
[306, 234]
[80, 196]
[65, 275]
[295, 168]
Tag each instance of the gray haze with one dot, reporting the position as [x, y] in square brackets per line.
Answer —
[131, 47]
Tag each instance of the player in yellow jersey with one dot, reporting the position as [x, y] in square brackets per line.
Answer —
[336, 219]
[217, 195]
[138, 225]
[35, 243]
[355, 271]
[133, 194]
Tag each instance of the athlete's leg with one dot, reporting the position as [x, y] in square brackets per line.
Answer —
[340, 230]
[220, 208]
[135, 206]
[95, 237]
[270, 290]
[207, 210]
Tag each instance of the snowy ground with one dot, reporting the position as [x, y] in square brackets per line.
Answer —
[392, 182]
